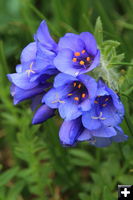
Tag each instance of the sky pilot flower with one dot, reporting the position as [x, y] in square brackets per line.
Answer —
[77, 54]
[71, 95]
[107, 109]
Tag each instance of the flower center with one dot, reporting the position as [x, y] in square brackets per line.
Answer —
[78, 92]
[82, 59]
[103, 101]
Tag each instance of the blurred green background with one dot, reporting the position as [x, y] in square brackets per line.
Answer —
[33, 165]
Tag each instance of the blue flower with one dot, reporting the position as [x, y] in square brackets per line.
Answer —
[107, 109]
[71, 95]
[77, 54]
[36, 66]
[73, 131]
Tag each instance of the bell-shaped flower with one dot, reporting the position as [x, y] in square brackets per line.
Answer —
[77, 54]
[36, 66]
[107, 109]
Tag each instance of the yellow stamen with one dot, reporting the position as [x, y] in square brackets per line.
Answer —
[74, 59]
[96, 102]
[104, 105]
[76, 98]
[106, 99]
[82, 62]
[83, 51]
[77, 53]
[70, 94]
[98, 96]
[83, 95]
[79, 86]
[74, 84]
[88, 59]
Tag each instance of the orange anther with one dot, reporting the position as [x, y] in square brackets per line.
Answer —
[83, 51]
[96, 102]
[83, 95]
[77, 53]
[79, 86]
[88, 59]
[76, 98]
[106, 99]
[104, 105]
[98, 96]
[74, 59]
[70, 94]
[74, 84]
[82, 62]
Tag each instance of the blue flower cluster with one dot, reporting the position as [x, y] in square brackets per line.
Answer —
[53, 76]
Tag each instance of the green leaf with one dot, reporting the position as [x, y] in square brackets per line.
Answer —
[126, 179]
[15, 191]
[83, 156]
[107, 194]
[111, 43]
[8, 175]
[83, 196]
[98, 32]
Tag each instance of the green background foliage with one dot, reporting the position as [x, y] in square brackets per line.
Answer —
[33, 164]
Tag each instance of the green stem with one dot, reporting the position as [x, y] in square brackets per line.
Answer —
[122, 63]
[129, 125]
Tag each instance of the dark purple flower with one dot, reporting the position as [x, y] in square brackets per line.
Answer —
[77, 54]
[73, 131]
[107, 109]
[71, 95]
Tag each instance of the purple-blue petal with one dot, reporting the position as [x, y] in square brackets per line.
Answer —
[111, 115]
[85, 135]
[68, 110]
[90, 42]
[69, 131]
[95, 62]
[63, 79]
[63, 62]
[21, 95]
[120, 137]
[89, 122]
[116, 101]
[104, 132]
[29, 52]
[22, 80]
[54, 97]
[100, 142]
[44, 58]
[85, 105]
[90, 84]
[36, 100]
[19, 68]
[42, 114]
[71, 41]
[43, 36]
